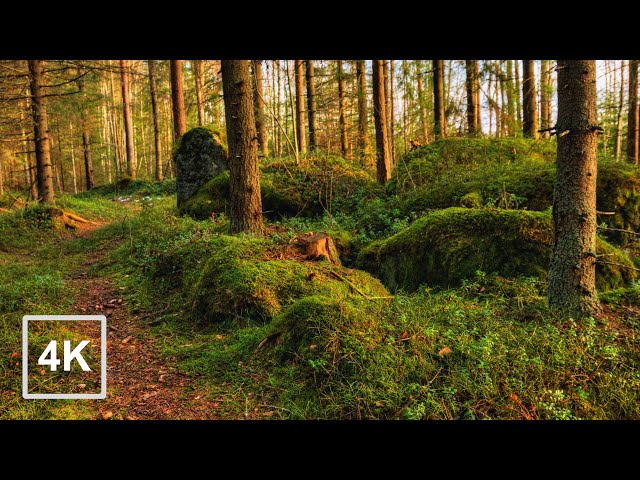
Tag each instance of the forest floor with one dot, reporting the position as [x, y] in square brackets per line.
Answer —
[142, 384]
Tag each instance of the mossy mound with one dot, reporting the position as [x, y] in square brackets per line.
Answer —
[529, 185]
[199, 155]
[419, 166]
[317, 185]
[448, 246]
[240, 279]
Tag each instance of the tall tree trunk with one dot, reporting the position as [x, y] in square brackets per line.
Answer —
[438, 98]
[154, 115]
[572, 272]
[421, 103]
[518, 95]
[472, 116]
[634, 119]
[177, 99]
[383, 163]
[301, 130]
[476, 87]
[41, 132]
[545, 96]
[244, 185]
[311, 104]
[529, 97]
[261, 124]
[74, 174]
[86, 136]
[342, 112]
[618, 147]
[392, 113]
[511, 101]
[363, 108]
[128, 123]
[197, 73]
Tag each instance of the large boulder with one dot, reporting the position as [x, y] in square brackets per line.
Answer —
[450, 245]
[199, 156]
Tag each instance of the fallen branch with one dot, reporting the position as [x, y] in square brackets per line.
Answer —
[618, 230]
[605, 213]
[340, 277]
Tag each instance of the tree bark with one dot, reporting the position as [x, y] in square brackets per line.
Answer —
[392, 113]
[472, 116]
[511, 105]
[363, 108]
[518, 91]
[341, 112]
[573, 261]
[197, 73]
[86, 136]
[633, 119]
[177, 99]
[311, 104]
[301, 130]
[618, 146]
[529, 116]
[545, 96]
[244, 185]
[128, 123]
[438, 98]
[154, 114]
[261, 124]
[41, 132]
[421, 104]
[383, 163]
[476, 87]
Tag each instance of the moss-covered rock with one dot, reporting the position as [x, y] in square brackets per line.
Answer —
[240, 279]
[447, 246]
[528, 184]
[199, 156]
[318, 185]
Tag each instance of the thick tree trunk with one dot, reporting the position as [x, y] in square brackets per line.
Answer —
[261, 123]
[438, 98]
[177, 99]
[383, 163]
[154, 114]
[311, 104]
[344, 144]
[244, 185]
[421, 104]
[634, 112]
[41, 132]
[511, 101]
[472, 116]
[197, 73]
[300, 130]
[128, 123]
[618, 147]
[529, 97]
[363, 108]
[86, 137]
[573, 261]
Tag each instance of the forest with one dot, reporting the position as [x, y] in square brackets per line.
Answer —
[321, 239]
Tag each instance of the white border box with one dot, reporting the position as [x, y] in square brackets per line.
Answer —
[25, 357]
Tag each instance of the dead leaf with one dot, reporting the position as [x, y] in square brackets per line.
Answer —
[219, 337]
[312, 347]
[126, 340]
[162, 378]
[268, 414]
[107, 415]
[215, 405]
[445, 351]
[14, 355]
[379, 404]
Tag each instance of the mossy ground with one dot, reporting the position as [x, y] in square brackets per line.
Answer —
[260, 328]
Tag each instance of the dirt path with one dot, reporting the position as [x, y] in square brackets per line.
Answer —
[141, 383]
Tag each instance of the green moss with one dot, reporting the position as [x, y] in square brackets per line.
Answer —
[236, 282]
[450, 245]
[472, 200]
[320, 184]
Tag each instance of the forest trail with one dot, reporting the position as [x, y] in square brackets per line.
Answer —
[142, 384]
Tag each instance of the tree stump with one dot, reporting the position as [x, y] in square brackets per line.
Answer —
[320, 245]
